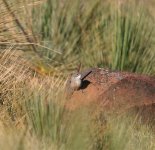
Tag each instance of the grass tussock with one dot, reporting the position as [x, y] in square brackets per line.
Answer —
[128, 133]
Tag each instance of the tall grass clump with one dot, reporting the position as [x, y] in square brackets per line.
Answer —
[124, 131]
[48, 119]
[70, 27]
[45, 112]
[128, 133]
[132, 45]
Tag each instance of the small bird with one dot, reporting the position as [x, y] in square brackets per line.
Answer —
[75, 81]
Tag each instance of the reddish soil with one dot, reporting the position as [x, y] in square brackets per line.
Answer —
[115, 91]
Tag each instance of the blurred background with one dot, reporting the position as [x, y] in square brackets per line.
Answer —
[60, 34]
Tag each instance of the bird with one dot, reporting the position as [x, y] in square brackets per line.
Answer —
[75, 81]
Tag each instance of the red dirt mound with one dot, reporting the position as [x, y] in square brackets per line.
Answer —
[115, 91]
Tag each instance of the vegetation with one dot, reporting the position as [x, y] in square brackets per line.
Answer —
[41, 42]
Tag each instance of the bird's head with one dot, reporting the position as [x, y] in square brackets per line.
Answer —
[77, 76]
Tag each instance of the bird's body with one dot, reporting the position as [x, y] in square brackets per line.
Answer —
[75, 81]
